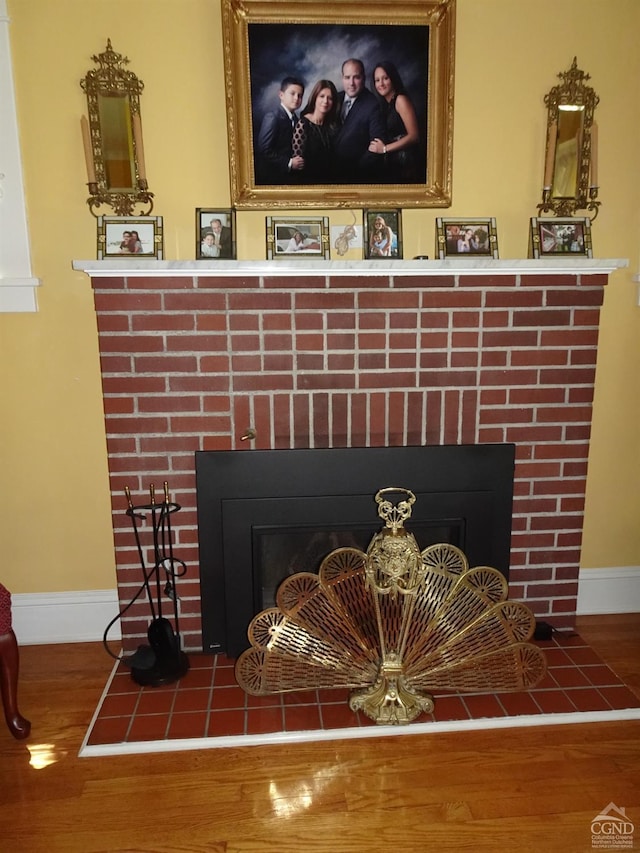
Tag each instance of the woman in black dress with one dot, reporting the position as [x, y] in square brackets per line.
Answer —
[399, 148]
[314, 134]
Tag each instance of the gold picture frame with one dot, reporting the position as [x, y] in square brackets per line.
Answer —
[128, 237]
[297, 237]
[555, 237]
[467, 237]
[268, 43]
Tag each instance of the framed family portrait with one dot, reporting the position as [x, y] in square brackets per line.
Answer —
[215, 234]
[382, 234]
[339, 104]
[555, 237]
[124, 236]
[293, 237]
[466, 237]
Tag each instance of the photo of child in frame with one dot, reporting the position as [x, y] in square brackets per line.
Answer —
[214, 234]
[383, 234]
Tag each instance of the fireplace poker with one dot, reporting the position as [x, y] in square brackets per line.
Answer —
[133, 515]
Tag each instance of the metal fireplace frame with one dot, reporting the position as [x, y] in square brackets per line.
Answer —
[467, 488]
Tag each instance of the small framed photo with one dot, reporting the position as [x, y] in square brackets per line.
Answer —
[215, 233]
[382, 233]
[555, 237]
[297, 237]
[123, 236]
[466, 237]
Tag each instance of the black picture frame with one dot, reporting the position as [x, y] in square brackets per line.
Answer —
[382, 234]
[220, 223]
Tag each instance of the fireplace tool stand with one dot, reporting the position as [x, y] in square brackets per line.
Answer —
[161, 661]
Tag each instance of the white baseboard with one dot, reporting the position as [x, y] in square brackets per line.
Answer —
[64, 617]
[80, 617]
[614, 590]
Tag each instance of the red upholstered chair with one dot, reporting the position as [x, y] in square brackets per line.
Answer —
[9, 666]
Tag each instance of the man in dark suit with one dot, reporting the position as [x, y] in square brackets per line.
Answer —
[221, 238]
[361, 122]
[274, 160]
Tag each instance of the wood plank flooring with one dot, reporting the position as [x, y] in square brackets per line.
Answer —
[530, 789]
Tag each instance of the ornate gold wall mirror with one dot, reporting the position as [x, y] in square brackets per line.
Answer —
[113, 137]
[571, 162]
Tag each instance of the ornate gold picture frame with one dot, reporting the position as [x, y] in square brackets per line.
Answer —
[284, 58]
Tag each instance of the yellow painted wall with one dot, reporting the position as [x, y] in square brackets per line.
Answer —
[54, 502]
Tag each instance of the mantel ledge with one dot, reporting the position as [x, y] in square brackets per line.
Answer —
[459, 266]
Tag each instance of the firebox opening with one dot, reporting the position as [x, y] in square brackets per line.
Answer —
[264, 514]
[284, 550]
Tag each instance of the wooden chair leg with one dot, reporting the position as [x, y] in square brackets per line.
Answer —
[9, 668]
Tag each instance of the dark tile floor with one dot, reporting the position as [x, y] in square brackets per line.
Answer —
[208, 703]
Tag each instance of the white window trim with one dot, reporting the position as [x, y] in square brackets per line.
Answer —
[17, 284]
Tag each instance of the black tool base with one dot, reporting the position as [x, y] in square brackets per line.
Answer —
[162, 672]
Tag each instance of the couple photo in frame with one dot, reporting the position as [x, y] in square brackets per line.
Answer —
[128, 237]
[288, 85]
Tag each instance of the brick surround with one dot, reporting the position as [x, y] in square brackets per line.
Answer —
[191, 360]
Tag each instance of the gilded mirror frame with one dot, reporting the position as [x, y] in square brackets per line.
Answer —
[114, 128]
[265, 42]
[571, 158]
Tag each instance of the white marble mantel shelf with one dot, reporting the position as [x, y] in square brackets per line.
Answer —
[458, 266]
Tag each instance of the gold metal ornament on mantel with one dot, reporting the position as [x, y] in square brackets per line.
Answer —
[394, 625]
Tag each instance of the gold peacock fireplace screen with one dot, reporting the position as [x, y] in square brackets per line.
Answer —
[393, 625]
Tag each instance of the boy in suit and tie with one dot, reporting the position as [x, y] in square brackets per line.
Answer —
[275, 163]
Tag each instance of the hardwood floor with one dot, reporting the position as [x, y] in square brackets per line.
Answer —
[526, 789]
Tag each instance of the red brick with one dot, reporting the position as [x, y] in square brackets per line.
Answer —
[539, 357]
[494, 358]
[326, 301]
[516, 298]
[341, 320]
[541, 318]
[166, 364]
[509, 339]
[487, 281]
[301, 282]
[495, 319]
[564, 414]
[457, 299]
[278, 362]
[392, 300]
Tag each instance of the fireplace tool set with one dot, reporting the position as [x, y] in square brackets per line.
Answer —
[162, 661]
[394, 625]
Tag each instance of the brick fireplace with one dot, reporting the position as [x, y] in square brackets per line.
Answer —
[351, 355]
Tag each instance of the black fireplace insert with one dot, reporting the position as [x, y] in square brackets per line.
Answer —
[264, 514]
